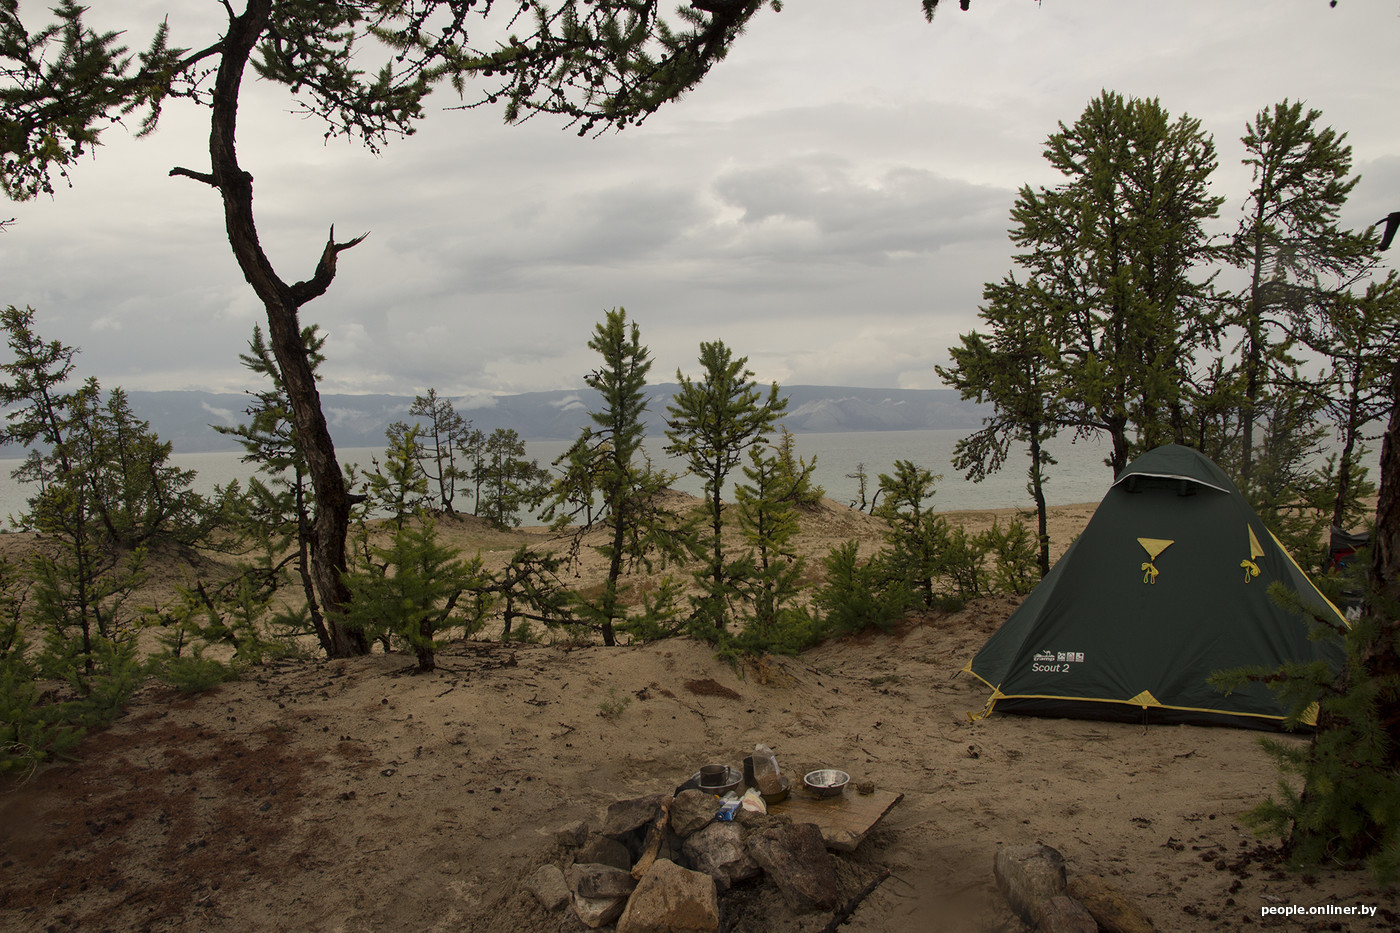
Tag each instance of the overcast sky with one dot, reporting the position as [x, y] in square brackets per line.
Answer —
[829, 202]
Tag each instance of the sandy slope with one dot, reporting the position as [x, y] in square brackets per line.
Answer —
[354, 795]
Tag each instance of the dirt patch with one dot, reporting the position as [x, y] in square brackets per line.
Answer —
[708, 688]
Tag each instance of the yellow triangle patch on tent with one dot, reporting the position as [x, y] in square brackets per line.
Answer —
[1144, 699]
[1154, 546]
[1255, 550]
[1310, 715]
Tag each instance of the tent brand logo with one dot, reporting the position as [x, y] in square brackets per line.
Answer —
[1055, 662]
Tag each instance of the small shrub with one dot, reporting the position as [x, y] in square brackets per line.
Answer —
[1016, 571]
[611, 709]
[194, 673]
[962, 561]
[859, 594]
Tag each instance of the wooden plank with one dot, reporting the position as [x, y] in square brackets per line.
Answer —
[844, 820]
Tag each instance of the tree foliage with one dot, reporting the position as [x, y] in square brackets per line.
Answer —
[508, 484]
[411, 590]
[1290, 245]
[1113, 253]
[711, 422]
[279, 511]
[444, 444]
[1012, 367]
[607, 463]
[768, 578]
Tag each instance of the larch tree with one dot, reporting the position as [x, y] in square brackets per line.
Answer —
[595, 63]
[711, 424]
[607, 463]
[1012, 367]
[1112, 253]
[442, 443]
[1360, 336]
[1288, 243]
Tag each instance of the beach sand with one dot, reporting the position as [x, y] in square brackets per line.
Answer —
[356, 795]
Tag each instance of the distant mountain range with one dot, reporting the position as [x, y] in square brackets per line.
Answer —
[184, 418]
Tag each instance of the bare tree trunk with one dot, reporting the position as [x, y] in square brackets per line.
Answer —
[1037, 488]
[1381, 658]
[332, 515]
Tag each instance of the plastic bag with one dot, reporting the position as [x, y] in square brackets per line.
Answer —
[753, 801]
[765, 770]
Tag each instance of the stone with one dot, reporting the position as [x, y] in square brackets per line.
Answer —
[1028, 876]
[627, 816]
[605, 851]
[627, 821]
[598, 912]
[671, 899]
[692, 810]
[1063, 914]
[572, 835]
[594, 880]
[719, 851]
[1111, 909]
[795, 857]
[550, 887]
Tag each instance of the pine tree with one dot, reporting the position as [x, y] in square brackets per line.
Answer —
[771, 573]
[1360, 336]
[412, 590]
[913, 544]
[607, 461]
[1013, 367]
[1114, 255]
[1290, 245]
[279, 510]
[397, 486]
[711, 423]
[443, 442]
[508, 482]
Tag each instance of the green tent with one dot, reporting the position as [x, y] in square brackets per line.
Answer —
[1168, 583]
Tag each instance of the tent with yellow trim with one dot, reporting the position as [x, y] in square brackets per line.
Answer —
[1168, 583]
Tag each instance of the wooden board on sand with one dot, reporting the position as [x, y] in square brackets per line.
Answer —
[844, 820]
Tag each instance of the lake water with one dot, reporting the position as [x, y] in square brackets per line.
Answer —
[1079, 476]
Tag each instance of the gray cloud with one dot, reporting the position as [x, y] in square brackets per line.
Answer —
[829, 202]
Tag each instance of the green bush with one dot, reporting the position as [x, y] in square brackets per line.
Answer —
[962, 562]
[414, 591]
[193, 673]
[859, 594]
[1016, 571]
[1348, 808]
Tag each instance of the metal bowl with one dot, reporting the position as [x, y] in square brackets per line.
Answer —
[826, 782]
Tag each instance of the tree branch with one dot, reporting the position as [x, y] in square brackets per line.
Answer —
[205, 177]
[302, 292]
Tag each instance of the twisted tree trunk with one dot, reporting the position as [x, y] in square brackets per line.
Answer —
[332, 512]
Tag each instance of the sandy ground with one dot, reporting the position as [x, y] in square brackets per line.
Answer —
[357, 796]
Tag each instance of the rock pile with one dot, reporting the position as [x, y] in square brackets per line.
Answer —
[661, 864]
